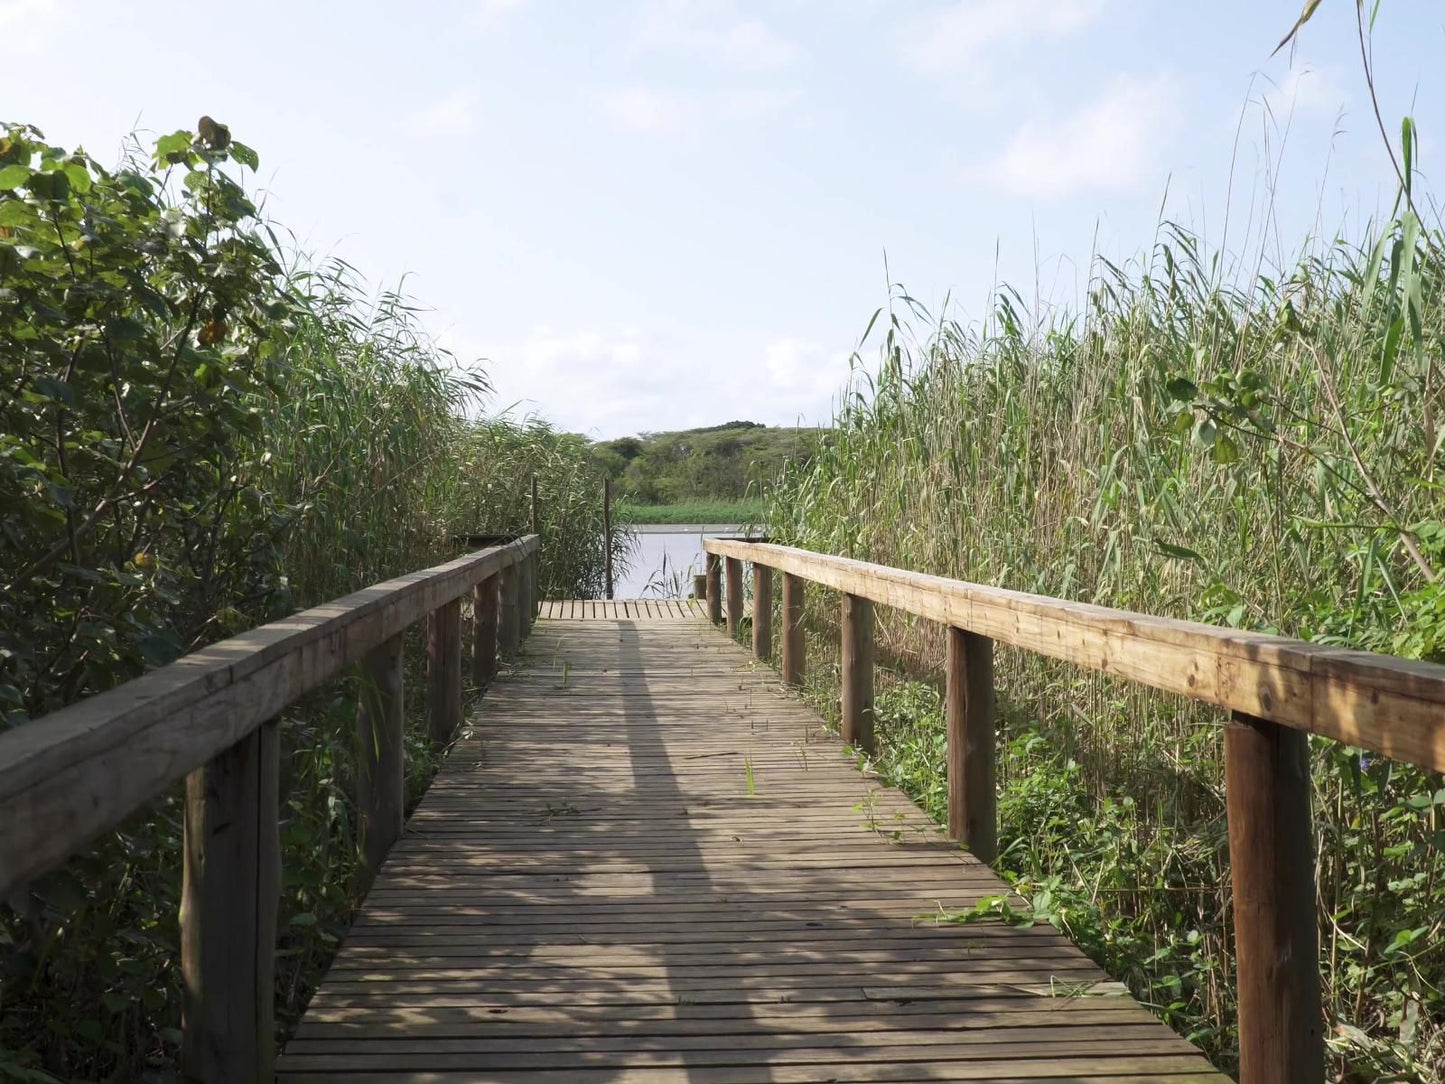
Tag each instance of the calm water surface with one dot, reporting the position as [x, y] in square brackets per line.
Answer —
[665, 559]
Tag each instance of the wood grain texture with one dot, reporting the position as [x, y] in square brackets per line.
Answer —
[1377, 702]
[1276, 931]
[485, 601]
[381, 764]
[92, 764]
[231, 883]
[659, 867]
[857, 676]
[714, 588]
[444, 672]
[509, 612]
[972, 745]
[734, 576]
[762, 612]
[795, 640]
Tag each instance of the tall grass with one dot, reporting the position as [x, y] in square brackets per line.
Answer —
[1263, 453]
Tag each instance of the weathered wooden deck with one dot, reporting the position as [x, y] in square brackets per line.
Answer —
[648, 863]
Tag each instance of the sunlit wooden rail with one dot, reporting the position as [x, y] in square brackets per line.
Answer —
[1278, 692]
[210, 718]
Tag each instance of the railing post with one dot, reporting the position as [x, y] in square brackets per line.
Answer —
[484, 630]
[231, 882]
[1276, 931]
[858, 672]
[794, 642]
[526, 595]
[735, 594]
[969, 708]
[699, 586]
[380, 780]
[714, 588]
[607, 531]
[762, 611]
[444, 672]
[509, 621]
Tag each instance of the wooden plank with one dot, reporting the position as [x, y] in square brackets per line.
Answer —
[1389, 705]
[663, 866]
[484, 630]
[381, 764]
[857, 676]
[444, 673]
[509, 612]
[714, 588]
[231, 883]
[762, 612]
[794, 635]
[734, 572]
[1271, 860]
[92, 764]
[969, 711]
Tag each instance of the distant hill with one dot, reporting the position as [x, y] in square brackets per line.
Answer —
[716, 462]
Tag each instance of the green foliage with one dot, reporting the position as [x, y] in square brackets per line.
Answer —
[199, 433]
[717, 463]
[1264, 455]
[718, 511]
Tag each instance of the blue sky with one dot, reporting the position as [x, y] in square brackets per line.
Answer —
[649, 214]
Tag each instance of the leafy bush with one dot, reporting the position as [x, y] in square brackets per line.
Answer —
[198, 432]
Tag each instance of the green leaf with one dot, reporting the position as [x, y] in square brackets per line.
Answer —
[1182, 389]
[245, 155]
[1309, 10]
[13, 177]
[175, 143]
[1182, 552]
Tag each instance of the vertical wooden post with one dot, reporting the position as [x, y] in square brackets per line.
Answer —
[735, 594]
[444, 672]
[607, 529]
[762, 611]
[714, 588]
[969, 707]
[858, 672]
[231, 882]
[509, 620]
[1276, 932]
[526, 594]
[381, 778]
[699, 586]
[484, 630]
[794, 642]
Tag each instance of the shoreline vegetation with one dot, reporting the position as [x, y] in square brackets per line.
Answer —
[202, 430]
[702, 511]
[1262, 453]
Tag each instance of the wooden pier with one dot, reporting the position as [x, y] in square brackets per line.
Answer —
[646, 862]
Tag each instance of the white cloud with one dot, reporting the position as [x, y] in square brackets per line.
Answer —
[486, 13]
[451, 116]
[27, 25]
[966, 36]
[1112, 144]
[647, 110]
[712, 31]
[612, 383]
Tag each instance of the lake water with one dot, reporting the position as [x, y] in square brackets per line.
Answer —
[666, 558]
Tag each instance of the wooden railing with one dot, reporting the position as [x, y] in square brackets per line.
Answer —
[211, 718]
[1278, 690]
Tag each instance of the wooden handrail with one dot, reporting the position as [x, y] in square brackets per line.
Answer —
[1377, 702]
[210, 718]
[1277, 689]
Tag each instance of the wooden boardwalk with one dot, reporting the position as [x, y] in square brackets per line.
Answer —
[647, 863]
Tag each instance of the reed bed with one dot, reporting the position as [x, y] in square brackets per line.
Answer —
[1257, 450]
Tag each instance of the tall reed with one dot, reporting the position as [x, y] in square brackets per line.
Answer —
[1261, 453]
